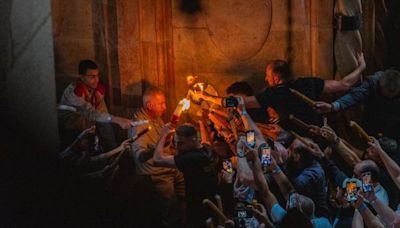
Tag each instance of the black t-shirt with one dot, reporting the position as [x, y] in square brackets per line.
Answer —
[199, 170]
[285, 103]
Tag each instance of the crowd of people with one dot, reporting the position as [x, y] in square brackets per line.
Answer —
[265, 160]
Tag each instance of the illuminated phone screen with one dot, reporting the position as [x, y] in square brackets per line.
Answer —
[250, 139]
[366, 182]
[351, 191]
[265, 156]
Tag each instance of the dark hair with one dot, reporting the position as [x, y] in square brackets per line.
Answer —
[241, 87]
[186, 130]
[370, 166]
[295, 218]
[306, 157]
[282, 69]
[390, 80]
[285, 138]
[86, 64]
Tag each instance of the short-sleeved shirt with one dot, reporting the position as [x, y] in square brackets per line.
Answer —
[285, 103]
[199, 170]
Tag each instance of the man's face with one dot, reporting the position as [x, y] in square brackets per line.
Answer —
[157, 106]
[91, 78]
[271, 79]
[183, 143]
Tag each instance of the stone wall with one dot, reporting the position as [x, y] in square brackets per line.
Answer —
[149, 42]
[73, 36]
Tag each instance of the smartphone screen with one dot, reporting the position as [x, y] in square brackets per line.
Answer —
[366, 182]
[250, 139]
[227, 165]
[351, 191]
[265, 156]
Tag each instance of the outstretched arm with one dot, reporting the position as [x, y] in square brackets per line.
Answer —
[266, 195]
[333, 86]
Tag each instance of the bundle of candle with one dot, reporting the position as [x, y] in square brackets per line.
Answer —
[183, 105]
[303, 97]
[360, 131]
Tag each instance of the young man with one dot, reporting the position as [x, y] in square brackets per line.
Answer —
[82, 103]
[196, 163]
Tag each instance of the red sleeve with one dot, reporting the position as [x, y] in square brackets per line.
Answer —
[79, 89]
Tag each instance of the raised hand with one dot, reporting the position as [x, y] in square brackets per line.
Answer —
[167, 129]
[375, 146]
[329, 134]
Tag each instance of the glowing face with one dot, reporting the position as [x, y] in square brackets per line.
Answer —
[91, 78]
[271, 79]
[157, 105]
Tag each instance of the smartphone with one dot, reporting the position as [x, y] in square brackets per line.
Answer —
[227, 165]
[243, 216]
[230, 102]
[351, 191]
[250, 138]
[366, 182]
[265, 156]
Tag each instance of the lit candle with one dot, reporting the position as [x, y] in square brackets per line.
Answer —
[183, 105]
